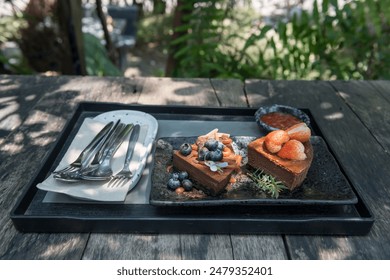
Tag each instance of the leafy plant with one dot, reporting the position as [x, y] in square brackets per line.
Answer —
[9, 31]
[198, 48]
[96, 58]
[154, 29]
[267, 183]
[329, 42]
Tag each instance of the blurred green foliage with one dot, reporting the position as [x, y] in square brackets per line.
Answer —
[202, 37]
[352, 42]
[9, 32]
[221, 39]
[154, 28]
[330, 42]
[96, 59]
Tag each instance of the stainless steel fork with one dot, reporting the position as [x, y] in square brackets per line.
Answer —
[125, 173]
[87, 159]
[103, 170]
[77, 163]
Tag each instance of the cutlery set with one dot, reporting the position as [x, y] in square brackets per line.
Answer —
[94, 162]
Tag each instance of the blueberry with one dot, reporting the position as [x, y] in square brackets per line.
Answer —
[185, 149]
[216, 155]
[173, 184]
[203, 153]
[183, 175]
[220, 146]
[187, 185]
[174, 175]
[211, 144]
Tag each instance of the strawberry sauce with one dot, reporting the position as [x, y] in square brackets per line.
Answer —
[280, 120]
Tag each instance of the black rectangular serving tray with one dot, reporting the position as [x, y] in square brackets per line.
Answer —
[31, 214]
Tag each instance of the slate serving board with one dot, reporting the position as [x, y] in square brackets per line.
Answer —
[325, 184]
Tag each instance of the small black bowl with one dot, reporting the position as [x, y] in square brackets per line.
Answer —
[282, 109]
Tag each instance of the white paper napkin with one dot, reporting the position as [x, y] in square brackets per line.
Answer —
[96, 190]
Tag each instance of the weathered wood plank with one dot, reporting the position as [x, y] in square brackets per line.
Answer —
[230, 93]
[24, 149]
[17, 95]
[133, 247]
[192, 92]
[30, 246]
[360, 96]
[383, 86]
[206, 247]
[362, 157]
[22, 158]
[346, 126]
[258, 247]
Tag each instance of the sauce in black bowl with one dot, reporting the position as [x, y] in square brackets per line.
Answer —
[276, 117]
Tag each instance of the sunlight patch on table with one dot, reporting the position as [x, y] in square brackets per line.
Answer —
[334, 116]
[341, 250]
[12, 148]
[344, 94]
[56, 249]
[326, 105]
[30, 97]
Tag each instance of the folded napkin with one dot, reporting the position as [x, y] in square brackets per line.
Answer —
[100, 190]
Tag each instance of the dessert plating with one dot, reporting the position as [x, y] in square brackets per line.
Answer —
[211, 161]
[285, 154]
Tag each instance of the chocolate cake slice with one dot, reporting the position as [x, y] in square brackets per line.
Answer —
[212, 183]
[290, 172]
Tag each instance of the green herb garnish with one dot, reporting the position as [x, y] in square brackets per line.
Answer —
[267, 183]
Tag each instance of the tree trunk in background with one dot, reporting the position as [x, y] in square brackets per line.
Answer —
[70, 14]
[109, 45]
[140, 6]
[179, 18]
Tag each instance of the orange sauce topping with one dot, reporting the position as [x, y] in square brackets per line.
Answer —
[280, 120]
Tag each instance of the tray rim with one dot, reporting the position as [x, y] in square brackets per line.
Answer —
[357, 225]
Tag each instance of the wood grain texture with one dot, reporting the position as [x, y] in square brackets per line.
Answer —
[133, 247]
[383, 86]
[230, 93]
[360, 96]
[362, 157]
[22, 158]
[258, 247]
[25, 147]
[206, 247]
[18, 94]
[164, 91]
[350, 115]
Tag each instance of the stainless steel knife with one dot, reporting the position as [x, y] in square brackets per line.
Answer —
[132, 142]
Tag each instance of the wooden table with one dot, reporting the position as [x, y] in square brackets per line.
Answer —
[354, 117]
